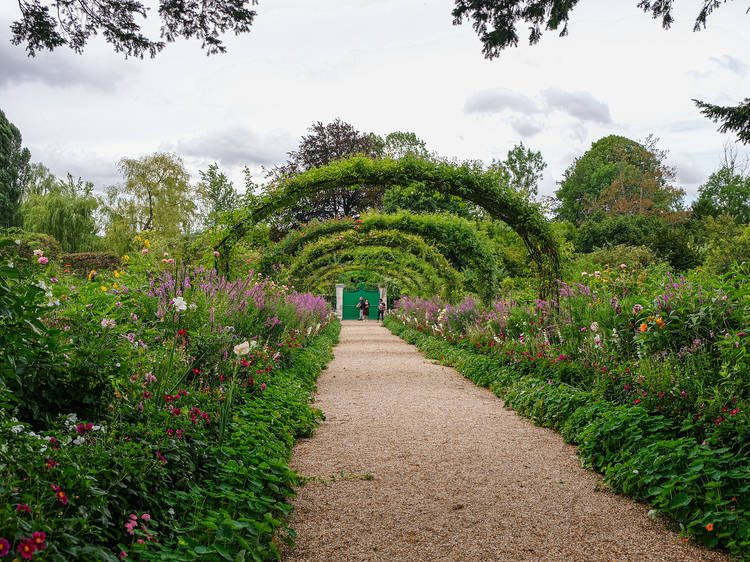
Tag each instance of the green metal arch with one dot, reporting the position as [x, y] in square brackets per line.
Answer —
[467, 181]
[455, 237]
[397, 262]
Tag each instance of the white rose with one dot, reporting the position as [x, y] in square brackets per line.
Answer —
[242, 349]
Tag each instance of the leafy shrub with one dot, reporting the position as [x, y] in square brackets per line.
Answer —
[622, 253]
[85, 262]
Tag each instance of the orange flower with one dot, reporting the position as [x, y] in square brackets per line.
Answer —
[710, 527]
[685, 540]
[644, 327]
[660, 323]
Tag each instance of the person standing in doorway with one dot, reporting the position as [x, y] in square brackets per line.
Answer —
[381, 311]
[367, 309]
[361, 307]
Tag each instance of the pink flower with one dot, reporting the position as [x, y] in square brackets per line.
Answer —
[23, 507]
[26, 548]
[123, 554]
[38, 253]
[42, 260]
[146, 517]
[4, 547]
[39, 539]
[216, 254]
[683, 394]
[263, 386]
[133, 516]
[144, 252]
[161, 457]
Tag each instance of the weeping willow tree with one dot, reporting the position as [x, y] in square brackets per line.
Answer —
[66, 211]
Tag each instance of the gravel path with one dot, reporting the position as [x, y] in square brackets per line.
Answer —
[454, 476]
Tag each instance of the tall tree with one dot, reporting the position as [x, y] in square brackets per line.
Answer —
[216, 194]
[156, 195]
[727, 191]
[39, 181]
[398, 144]
[49, 24]
[523, 169]
[14, 169]
[323, 145]
[66, 211]
[618, 176]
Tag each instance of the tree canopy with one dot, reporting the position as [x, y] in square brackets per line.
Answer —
[49, 24]
[14, 170]
[618, 176]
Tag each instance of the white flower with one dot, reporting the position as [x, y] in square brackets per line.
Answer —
[242, 349]
[18, 242]
[78, 441]
[180, 304]
[254, 344]
[16, 429]
[193, 306]
[594, 326]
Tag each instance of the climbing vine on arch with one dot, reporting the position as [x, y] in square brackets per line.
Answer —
[468, 181]
[331, 249]
[455, 237]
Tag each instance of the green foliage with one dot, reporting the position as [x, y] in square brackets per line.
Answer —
[735, 119]
[156, 196]
[524, 168]
[669, 242]
[728, 243]
[217, 196]
[622, 253]
[415, 199]
[725, 191]
[467, 181]
[49, 24]
[64, 210]
[327, 251]
[14, 169]
[84, 262]
[27, 243]
[457, 239]
[140, 466]
[617, 175]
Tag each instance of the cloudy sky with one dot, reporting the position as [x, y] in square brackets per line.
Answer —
[382, 66]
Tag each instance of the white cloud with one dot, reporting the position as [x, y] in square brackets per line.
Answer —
[581, 105]
[499, 99]
[237, 146]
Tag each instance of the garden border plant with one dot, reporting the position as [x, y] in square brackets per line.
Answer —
[467, 181]
[641, 454]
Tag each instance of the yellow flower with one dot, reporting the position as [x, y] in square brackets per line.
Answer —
[139, 239]
[103, 288]
[126, 257]
[117, 273]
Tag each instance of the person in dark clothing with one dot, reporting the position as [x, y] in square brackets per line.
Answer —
[381, 311]
[366, 309]
[361, 307]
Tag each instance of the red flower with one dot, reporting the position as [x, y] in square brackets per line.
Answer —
[39, 538]
[26, 548]
[51, 464]
[180, 332]
[4, 547]
[161, 457]
[60, 495]
[23, 507]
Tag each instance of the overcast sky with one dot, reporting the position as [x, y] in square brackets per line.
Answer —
[383, 66]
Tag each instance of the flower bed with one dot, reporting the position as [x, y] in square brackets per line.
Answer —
[665, 418]
[151, 413]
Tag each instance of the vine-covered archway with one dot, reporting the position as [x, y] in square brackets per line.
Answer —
[467, 181]
[455, 237]
[328, 249]
[429, 278]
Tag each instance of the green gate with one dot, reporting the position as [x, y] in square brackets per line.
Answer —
[351, 298]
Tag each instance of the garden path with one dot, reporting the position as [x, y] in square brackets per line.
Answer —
[455, 476]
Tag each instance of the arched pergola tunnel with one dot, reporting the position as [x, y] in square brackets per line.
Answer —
[455, 237]
[327, 249]
[412, 283]
[429, 279]
[467, 181]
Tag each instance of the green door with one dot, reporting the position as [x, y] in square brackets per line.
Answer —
[351, 298]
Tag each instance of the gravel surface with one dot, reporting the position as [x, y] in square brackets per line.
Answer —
[414, 462]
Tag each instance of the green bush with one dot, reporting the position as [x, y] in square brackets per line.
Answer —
[85, 262]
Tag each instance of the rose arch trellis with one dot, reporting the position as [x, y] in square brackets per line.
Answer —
[455, 237]
[467, 181]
